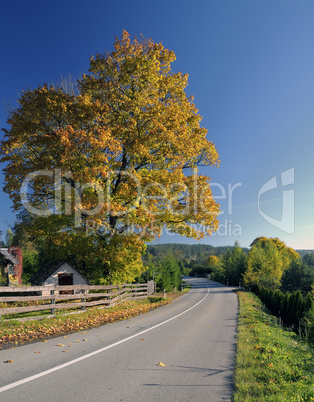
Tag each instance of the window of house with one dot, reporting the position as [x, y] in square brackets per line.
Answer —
[65, 280]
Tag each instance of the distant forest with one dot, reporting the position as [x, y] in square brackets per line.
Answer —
[196, 252]
[193, 257]
[304, 252]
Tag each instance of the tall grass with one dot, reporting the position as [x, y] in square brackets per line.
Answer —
[272, 363]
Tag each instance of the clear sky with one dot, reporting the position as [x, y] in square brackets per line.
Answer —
[251, 71]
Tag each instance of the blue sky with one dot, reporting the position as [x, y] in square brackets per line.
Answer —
[251, 71]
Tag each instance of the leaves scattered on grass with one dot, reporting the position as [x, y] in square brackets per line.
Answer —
[272, 363]
[14, 332]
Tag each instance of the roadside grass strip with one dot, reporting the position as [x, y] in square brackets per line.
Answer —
[272, 363]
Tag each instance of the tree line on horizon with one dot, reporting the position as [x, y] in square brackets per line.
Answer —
[226, 264]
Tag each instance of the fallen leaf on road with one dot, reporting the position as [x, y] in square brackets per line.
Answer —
[162, 364]
[8, 361]
[60, 344]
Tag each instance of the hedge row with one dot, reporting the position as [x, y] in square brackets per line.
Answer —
[294, 311]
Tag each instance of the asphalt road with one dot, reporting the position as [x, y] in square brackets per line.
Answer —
[194, 337]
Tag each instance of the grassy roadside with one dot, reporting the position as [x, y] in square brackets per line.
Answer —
[272, 363]
[14, 332]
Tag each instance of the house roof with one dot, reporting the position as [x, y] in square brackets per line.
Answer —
[8, 256]
[48, 270]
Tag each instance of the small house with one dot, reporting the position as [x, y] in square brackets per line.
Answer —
[58, 274]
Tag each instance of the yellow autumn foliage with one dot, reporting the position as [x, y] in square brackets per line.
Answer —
[114, 161]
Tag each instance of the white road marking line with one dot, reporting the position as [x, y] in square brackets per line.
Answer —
[61, 366]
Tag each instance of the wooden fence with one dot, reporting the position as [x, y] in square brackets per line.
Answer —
[80, 296]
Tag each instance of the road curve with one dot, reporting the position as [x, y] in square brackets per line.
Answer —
[194, 337]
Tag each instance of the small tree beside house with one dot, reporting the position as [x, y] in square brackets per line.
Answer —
[11, 266]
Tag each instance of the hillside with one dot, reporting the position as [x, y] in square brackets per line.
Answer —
[304, 252]
[195, 252]
[186, 252]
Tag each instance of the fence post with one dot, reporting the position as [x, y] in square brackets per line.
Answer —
[83, 300]
[52, 302]
[150, 288]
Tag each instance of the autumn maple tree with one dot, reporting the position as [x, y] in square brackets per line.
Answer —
[104, 170]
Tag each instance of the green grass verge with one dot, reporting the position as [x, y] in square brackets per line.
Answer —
[272, 363]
